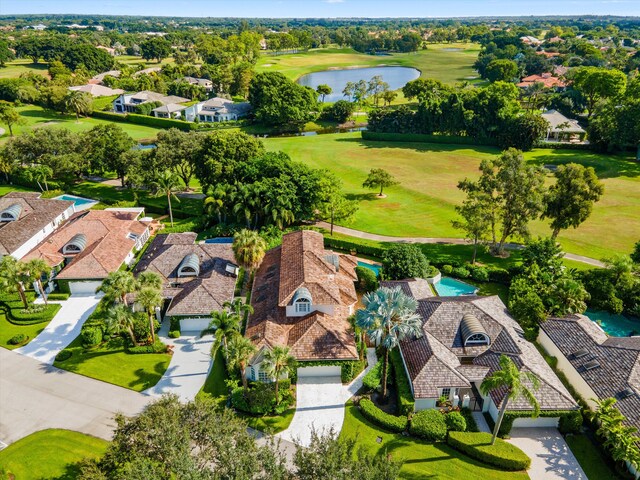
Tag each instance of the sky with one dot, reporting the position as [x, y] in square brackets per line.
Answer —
[324, 8]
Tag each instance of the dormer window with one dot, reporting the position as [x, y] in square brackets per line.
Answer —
[11, 213]
[302, 300]
[473, 333]
[76, 245]
[190, 266]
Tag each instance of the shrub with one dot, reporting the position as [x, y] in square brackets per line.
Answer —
[372, 379]
[499, 275]
[157, 347]
[340, 111]
[174, 334]
[17, 339]
[455, 422]
[64, 355]
[479, 274]
[432, 271]
[478, 446]
[382, 419]
[58, 296]
[571, 422]
[347, 246]
[472, 426]
[460, 272]
[91, 336]
[403, 260]
[260, 399]
[428, 424]
[32, 316]
[447, 269]
[367, 281]
[406, 403]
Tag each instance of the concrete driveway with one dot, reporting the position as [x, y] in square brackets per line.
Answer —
[189, 367]
[35, 396]
[62, 330]
[551, 457]
[320, 405]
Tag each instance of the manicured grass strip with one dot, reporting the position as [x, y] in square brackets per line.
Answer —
[110, 363]
[214, 387]
[501, 454]
[269, 424]
[8, 330]
[421, 459]
[590, 458]
[50, 454]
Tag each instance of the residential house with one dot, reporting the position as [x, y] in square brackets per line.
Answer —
[100, 77]
[127, 103]
[202, 82]
[562, 129]
[26, 220]
[146, 71]
[596, 365]
[461, 341]
[97, 90]
[198, 278]
[547, 79]
[529, 40]
[302, 298]
[109, 50]
[90, 245]
[213, 110]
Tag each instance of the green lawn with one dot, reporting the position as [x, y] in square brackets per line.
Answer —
[269, 424]
[23, 65]
[214, 387]
[421, 459]
[4, 189]
[594, 464]
[36, 116]
[8, 330]
[449, 66]
[50, 454]
[110, 363]
[423, 204]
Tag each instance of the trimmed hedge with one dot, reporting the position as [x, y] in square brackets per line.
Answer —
[19, 317]
[58, 296]
[382, 419]
[429, 424]
[145, 120]
[510, 416]
[455, 422]
[64, 355]
[406, 403]
[157, 347]
[91, 336]
[425, 138]
[349, 369]
[372, 379]
[174, 334]
[347, 246]
[17, 339]
[478, 445]
[472, 426]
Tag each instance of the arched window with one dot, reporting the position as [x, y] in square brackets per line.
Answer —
[472, 331]
[11, 213]
[190, 266]
[76, 245]
[302, 300]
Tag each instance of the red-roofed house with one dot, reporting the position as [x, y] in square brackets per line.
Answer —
[547, 79]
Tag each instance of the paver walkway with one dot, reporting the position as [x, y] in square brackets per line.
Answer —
[551, 457]
[189, 367]
[457, 241]
[320, 404]
[35, 396]
[62, 330]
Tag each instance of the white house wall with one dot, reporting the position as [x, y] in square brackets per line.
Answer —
[34, 241]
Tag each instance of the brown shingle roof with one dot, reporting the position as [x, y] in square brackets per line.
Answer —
[302, 261]
[36, 214]
[107, 243]
[190, 295]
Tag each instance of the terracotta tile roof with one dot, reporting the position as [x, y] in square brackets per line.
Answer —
[107, 243]
[547, 79]
[190, 295]
[619, 359]
[302, 261]
[433, 359]
[36, 213]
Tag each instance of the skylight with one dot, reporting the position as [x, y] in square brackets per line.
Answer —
[580, 353]
[591, 365]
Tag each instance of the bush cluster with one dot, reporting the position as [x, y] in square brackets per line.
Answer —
[429, 424]
[260, 399]
[174, 334]
[478, 445]
[17, 339]
[383, 419]
[91, 336]
[58, 296]
[571, 422]
[367, 281]
[145, 120]
[372, 379]
[406, 403]
[64, 355]
[157, 347]
[455, 422]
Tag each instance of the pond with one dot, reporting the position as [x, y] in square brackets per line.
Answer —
[615, 325]
[396, 77]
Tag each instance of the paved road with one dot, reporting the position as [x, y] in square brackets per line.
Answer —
[62, 330]
[320, 405]
[189, 367]
[456, 241]
[35, 396]
[551, 457]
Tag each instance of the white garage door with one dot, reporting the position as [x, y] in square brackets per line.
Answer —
[84, 288]
[540, 422]
[194, 324]
[325, 371]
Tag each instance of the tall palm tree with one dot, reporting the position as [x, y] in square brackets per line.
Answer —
[277, 361]
[513, 380]
[246, 203]
[78, 103]
[167, 183]
[150, 298]
[238, 307]
[13, 277]
[120, 319]
[149, 279]
[249, 249]
[116, 286]
[37, 268]
[218, 200]
[388, 316]
[224, 327]
[240, 352]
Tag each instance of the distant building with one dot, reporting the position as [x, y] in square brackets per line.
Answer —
[213, 110]
[127, 103]
[547, 79]
[529, 40]
[562, 129]
[97, 90]
[202, 82]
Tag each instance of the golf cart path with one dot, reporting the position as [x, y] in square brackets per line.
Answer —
[456, 241]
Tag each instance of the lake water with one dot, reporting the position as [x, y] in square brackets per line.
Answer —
[396, 77]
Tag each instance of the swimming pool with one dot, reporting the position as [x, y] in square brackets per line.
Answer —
[615, 325]
[450, 287]
[79, 202]
[219, 240]
[371, 266]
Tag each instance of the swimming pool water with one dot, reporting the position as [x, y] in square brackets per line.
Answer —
[615, 325]
[450, 287]
[78, 201]
[219, 240]
[371, 266]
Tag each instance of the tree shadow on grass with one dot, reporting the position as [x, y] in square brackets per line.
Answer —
[419, 146]
[605, 165]
[148, 379]
[360, 197]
